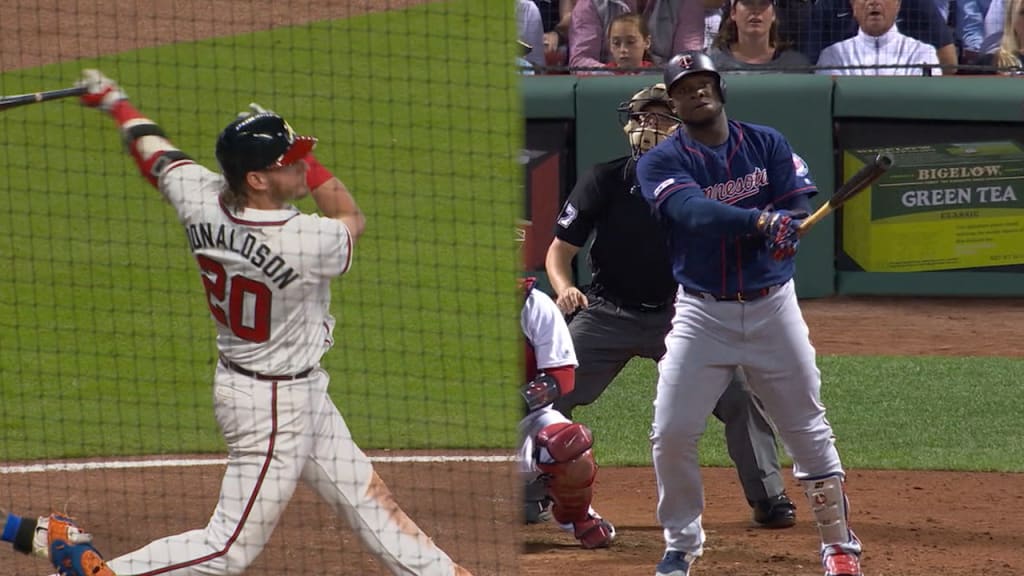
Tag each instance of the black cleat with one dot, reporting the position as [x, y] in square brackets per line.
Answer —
[775, 512]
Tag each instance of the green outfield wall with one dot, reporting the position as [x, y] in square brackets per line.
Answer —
[960, 228]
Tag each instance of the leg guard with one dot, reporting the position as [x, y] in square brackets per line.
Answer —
[827, 497]
[563, 454]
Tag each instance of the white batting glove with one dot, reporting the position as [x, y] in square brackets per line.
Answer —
[102, 93]
[54, 527]
[253, 110]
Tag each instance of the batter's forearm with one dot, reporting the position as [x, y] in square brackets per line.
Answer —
[698, 215]
[334, 201]
[145, 141]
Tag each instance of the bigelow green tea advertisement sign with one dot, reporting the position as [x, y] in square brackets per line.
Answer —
[940, 207]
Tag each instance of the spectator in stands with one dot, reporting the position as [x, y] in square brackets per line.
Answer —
[555, 15]
[675, 26]
[992, 27]
[878, 43]
[1010, 54]
[748, 41]
[531, 31]
[713, 12]
[629, 41]
[832, 21]
[524, 66]
[794, 19]
[970, 26]
[588, 30]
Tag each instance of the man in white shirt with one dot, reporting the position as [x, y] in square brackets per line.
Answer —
[531, 31]
[878, 49]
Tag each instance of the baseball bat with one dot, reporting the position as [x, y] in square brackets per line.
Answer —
[864, 178]
[8, 102]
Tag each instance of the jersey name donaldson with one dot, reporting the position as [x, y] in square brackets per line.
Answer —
[266, 273]
[202, 236]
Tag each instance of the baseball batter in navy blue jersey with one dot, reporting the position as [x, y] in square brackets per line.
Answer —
[731, 196]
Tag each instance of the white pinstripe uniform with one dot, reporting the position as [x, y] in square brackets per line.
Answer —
[267, 277]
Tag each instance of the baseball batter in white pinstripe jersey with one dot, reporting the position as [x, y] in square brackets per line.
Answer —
[266, 269]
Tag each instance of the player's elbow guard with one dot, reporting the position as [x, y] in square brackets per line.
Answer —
[150, 148]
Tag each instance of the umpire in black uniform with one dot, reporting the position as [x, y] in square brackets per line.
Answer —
[627, 310]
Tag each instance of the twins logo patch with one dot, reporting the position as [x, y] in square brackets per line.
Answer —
[568, 215]
[661, 187]
[800, 166]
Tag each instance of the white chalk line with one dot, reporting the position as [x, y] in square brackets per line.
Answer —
[191, 462]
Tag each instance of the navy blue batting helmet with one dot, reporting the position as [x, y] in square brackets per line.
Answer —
[259, 142]
[692, 62]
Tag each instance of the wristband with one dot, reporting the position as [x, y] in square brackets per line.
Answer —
[11, 528]
[123, 111]
[24, 540]
[316, 174]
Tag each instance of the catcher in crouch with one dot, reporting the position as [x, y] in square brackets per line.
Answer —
[554, 449]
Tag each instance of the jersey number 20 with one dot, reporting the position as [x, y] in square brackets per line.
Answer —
[216, 280]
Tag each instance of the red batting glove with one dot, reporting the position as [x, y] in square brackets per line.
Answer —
[103, 93]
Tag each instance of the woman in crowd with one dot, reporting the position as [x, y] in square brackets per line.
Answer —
[1007, 59]
[748, 41]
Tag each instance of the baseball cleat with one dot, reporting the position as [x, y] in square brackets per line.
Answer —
[775, 512]
[595, 532]
[842, 564]
[674, 563]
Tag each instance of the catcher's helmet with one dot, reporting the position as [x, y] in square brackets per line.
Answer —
[259, 142]
[692, 62]
[643, 134]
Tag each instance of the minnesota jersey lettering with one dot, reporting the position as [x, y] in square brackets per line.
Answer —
[733, 190]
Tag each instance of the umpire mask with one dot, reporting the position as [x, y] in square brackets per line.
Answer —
[647, 119]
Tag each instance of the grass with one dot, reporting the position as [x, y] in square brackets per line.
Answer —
[106, 346]
[939, 413]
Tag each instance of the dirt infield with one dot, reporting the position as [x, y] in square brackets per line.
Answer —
[48, 31]
[467, 507]
[912, 523]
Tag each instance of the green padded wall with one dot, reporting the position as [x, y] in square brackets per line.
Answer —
[976, 98]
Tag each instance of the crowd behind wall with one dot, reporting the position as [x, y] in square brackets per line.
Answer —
[836, 37]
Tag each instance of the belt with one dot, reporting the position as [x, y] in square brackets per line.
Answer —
[641, 306]
[748, 296]
[268, 377]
